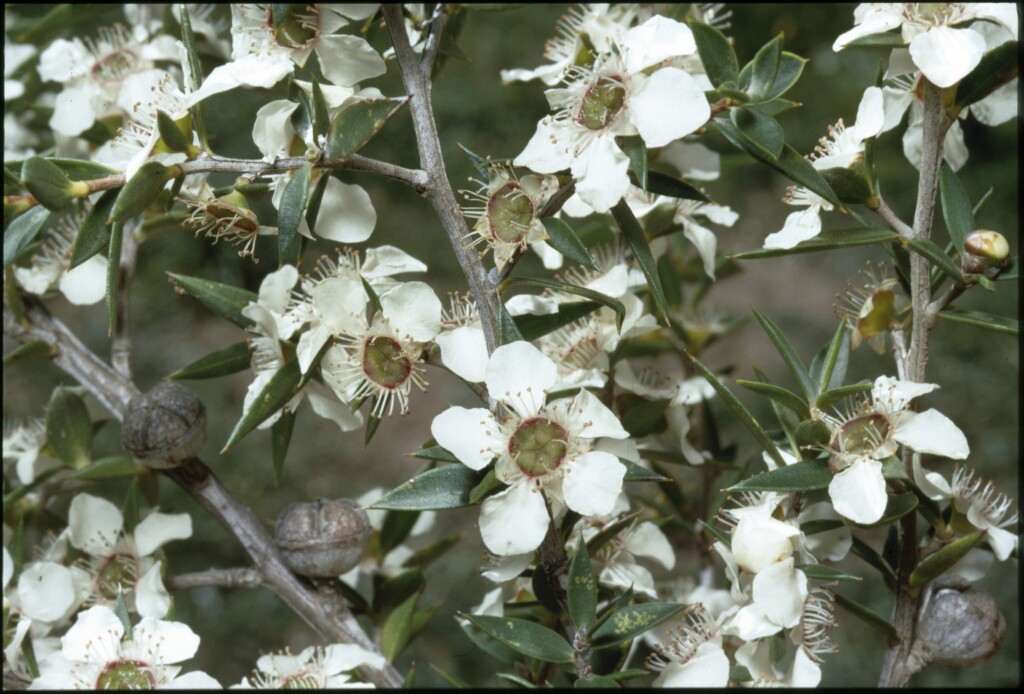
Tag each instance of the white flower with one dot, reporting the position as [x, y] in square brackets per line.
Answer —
[461, 340]
[861, 441]
[612, 98]
[943, 53]
[15, 55]
[314, 668]
[538, 447]
[987, 510]
[22, 443]
[120, 561]
[94, 656]
[83, 286]
[694, 656]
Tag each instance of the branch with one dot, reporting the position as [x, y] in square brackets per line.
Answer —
[893, 220]
[218, 578]
[115, 391]
[433, 43]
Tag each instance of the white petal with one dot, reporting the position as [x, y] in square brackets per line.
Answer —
[464, 352]
[172, 642]
[780, 592]
[999, 106]
[614, 283]
[954, 149]
[647, 540]
[519, 305]
[345, 656]
[506, 568]
[276, 288]
[600, 173]
[895, 103]
[657, 39]
[8, 568]
[799, 226]
[86, 284]
[472, 435]
[858, 492]
[669, 105]
[340, 302]
[932, 484]
[346, 59]
[385, 261]
[514, 521]
[413, 310]
[593, 483]
[621, 576]
[346, 213]
[548, 151]
[96, 633]
[751, 623]
[157, 529]
[310, 344]
[805, 672]
[1002, 542]
[892, 395]
[551, 258]
[832, 545]
[250, 71]
[931, 432]
[520, 375]
[870, 114]
[590, 418]
[272, 131]
[62, 61]
[338, 412]
[705, 242]
[73, 112]
[709, 667]
[193, 680]
[872, 18]
[759, 542]
[46, 591]
[94, 524]
[151, 597]
[945, 55]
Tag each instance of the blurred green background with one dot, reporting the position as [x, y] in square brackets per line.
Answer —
[978, 370]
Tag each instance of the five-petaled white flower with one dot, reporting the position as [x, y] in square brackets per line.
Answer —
[314, 668]
[538, 447]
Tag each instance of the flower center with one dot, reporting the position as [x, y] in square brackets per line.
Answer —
[115, 66]
[385, 363]
[301, 680]
[601, 104]
[538, 446]
[126, 674]
[298, 26]
[510, 213]
[861, 435]
[119, 572]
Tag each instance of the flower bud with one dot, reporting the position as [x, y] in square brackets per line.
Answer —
[164, 427]
[322, 538]
[984, 249]
[958, 625]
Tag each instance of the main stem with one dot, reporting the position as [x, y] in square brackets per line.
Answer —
[898, 667]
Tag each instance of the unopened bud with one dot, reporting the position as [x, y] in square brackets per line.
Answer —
[958, 625]
[990, 245]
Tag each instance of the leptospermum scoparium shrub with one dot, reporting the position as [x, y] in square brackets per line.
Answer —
[625, 542]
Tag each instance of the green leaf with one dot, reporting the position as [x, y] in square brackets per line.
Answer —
[812, 433]
[508, 331]
[760, 131]
[629, 622]
[173, 138]
[435, 453]
[595, 682]
[313, 206]
[451, 680]
[142, 190]
[789, 355]
[582, 589]
[555, 285]
[806, 476]
[81, 169]
[826, 240]
[423, 558]
[521, 682]
[764, 69]
[988, 321]
[275, 394]
[632, 674]
[94, 233]
[321, 121]
[394, 591]
[228, 360]
[638, 473]
[531, 327]
[874, 559]
[899, 505]
[609, 532]
[444, 487]
[930, 250]
[223, 299]
[394, 636]
[883, 40]
[826, 573]
[525, 637]
[563, 239]
[487, 644]
[850, 185]
[69, 428]
[33, 349]
[662, 184]
[773, 107]
[449, 47]
[22, 231]
[956, 207]
[50, 186]
[791, 66]
[716, 54]
[741, 412]
[934, 565]
[489, 483]
[280, 439]
[111, 467]
[997, 67]
[113, 272]
[121, 610]
[195, 69]
[833, 370]
[830, 397]
[481, 164]
[781, 395]
[634, 236]
[293, 206]
[636, 151]
[814, 527]
[395, 528]
[867, 616]
[645, 416]
[355, 125]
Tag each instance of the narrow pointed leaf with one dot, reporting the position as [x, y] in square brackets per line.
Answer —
[582, 590]
[531, 327]
[223, 299]
[761, 131]
[988, 321]
[481, 164]
[293, 207]
[638, 473]
[563, 239]
[435, 453]
[634, 148]
[826, 240]
[663, 184]
[228, 360]
[595, 682]
[355, 125]
[799, 477]
[315, 199]
[444, 487]
[68, 428]
[279, 390]
[396, 528]
[789, 355]
[34, 349]
[934, 565]
[997, 67]
[22, 231]
[867, 616]
[741, 412]
[610, 532]
[94, 233]
[555, 285]
[508, 331]
[716, 54]
[764, 69]
[831, 397]
[528, 638]
[956, 207]
[791, 66]
[645, 416]
[629, 622]
[779, 394]
[634, 236]
[195, 68]
[487, 484]
[821, 572]
[930, 250]
[114, 273]
[833, 371]
[321, 121]
[423, 558]
[111, 467]
[874, 559]
[394, 636]
[280, 439]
